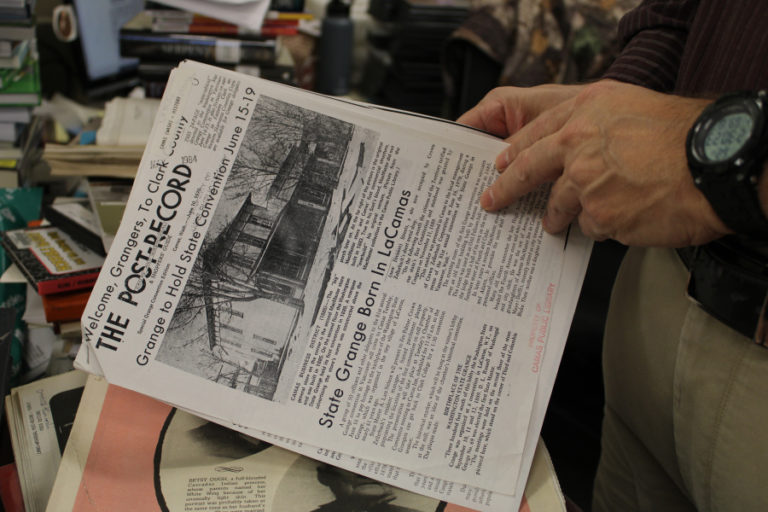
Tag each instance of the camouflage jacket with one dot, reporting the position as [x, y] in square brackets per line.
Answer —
[545, 41]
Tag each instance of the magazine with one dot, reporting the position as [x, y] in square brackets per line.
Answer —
[40, 418]
[319, 271]
[128, 451]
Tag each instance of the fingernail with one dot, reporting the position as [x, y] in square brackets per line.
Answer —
[486, 199]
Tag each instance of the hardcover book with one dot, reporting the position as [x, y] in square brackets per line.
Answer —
[210, 49]
[65, 307]
[15, 114]
[24, 89]
[51, 260]
[157, 22]
[10, 489]
[7, 324]
[77, 219]
[17, 31]
[19, 206]
[15, 55]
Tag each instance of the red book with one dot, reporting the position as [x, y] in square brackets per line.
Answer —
[10, 489]
[234, 30]
[280, 23]
[65, 307]
[51, 260]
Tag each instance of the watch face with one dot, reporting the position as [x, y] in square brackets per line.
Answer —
[726, 136]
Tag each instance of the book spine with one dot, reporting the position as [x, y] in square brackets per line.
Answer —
[16, 14]
[24, 89]
[264, 31]
[295, 15]
[6, 48]
[18, 32]
[11, 251]
[204, 48]
[10, 488]
[74, 282]
[269, 28]
[66, 307]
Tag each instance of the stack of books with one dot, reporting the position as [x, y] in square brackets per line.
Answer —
[111, 146]
[21, 205]
[58, 268]
[50, 256]
[160, 38]
[19, 82]
[59, 255]
[405, 44]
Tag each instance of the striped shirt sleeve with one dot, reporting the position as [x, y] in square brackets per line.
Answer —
[653, 37]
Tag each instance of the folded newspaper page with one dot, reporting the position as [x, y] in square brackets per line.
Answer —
[528, 486]
[320, 271]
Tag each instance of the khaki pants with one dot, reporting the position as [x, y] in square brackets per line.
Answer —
[686, 415]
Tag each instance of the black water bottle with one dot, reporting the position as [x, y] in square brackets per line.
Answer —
[334, 56]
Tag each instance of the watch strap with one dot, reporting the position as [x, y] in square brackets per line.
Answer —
[740, 207]
[732, 187]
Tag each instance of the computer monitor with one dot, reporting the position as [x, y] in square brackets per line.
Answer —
[99, 23]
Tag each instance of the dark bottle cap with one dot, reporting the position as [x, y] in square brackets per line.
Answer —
[338, 9]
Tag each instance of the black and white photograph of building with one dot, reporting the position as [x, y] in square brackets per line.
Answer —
[251, 297]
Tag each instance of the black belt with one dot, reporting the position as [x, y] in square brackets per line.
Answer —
[731, 284]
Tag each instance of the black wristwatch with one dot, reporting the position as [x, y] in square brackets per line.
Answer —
[726, 149]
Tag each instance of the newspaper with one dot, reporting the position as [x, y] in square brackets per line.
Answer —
[319, 271]
[532, 493]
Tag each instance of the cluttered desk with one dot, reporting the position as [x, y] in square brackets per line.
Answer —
[223, 291]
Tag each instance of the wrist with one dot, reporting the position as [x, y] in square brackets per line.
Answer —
[726, 153]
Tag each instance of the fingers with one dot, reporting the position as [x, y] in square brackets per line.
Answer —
[490, 115]
[538, 164]
[546, 124]
[534, 156]
[563, 207]
[504, 110]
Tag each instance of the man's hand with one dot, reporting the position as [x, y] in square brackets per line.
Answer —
[505, 110]
[616, 155]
